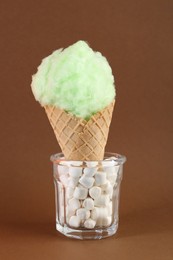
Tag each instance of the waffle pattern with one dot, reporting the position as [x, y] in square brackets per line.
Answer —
[80, 139]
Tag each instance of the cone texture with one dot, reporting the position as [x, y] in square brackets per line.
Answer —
[80, 139]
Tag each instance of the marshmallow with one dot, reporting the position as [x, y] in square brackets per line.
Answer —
[64, 180]
[87, 182]
[62, 169]
[89, 172]
[76, 163]
[108, 163]
[75, 172]
[95, 192]
[112, 179]
[70, 163]
[105, 186]
[109, 208]
[100, 178]
[74, 204]
[74, 221]
[89, 223]
[80, 185]
[102, 201]
[112, 169]
[104, 222]
[83, 213]
[88, 204]
[69, 211]
[94, 214]
[112, 174]
[99, 213]
[66, 163]
[69, 192]
[107, 189]
[72, 182]
[116, 169]
[91, 163]
[80, 193]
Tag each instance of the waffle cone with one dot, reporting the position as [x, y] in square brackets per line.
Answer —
[80, 139]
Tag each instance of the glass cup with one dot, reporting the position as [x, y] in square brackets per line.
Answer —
[87, 196]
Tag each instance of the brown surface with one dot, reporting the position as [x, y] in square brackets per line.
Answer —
[137, 38]
[80, 139]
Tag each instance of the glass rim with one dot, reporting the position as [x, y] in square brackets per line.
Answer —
[118, 158]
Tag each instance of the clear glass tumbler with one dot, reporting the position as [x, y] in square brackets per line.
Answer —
[87, 196]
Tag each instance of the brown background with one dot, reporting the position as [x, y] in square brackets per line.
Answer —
[137, 38]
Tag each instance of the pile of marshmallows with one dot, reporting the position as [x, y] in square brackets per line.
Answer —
[88, 193]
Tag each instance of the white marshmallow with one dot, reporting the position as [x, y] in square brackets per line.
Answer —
[107, 189]
[76, 163]
[80, 185]
[69, 211]
[87, 182]
[102, 201]
[89, 223]
[112, 179]
[108, 163]
[72, 182]
[112, 174]
[100, 178]
[107, 222]
[66, 163]
[88, 204]
[74, 221]
[101, 216]
[95, 192]
[75, 172]
[83, 213]
[97, 213]
[114, 169]
[70, 163]
[62, 169]
[89, 172]
[69, 192]
[105, 186]
[104, 222]
[91, 163]
[80, 193]
[64, 180]
[109, 208]
[94, 214]
[74, 204]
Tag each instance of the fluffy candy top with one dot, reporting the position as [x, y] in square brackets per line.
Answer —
[76, 79]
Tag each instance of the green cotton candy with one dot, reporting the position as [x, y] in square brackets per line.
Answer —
[76, 79]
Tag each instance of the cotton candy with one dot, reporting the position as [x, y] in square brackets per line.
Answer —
[76, 79]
